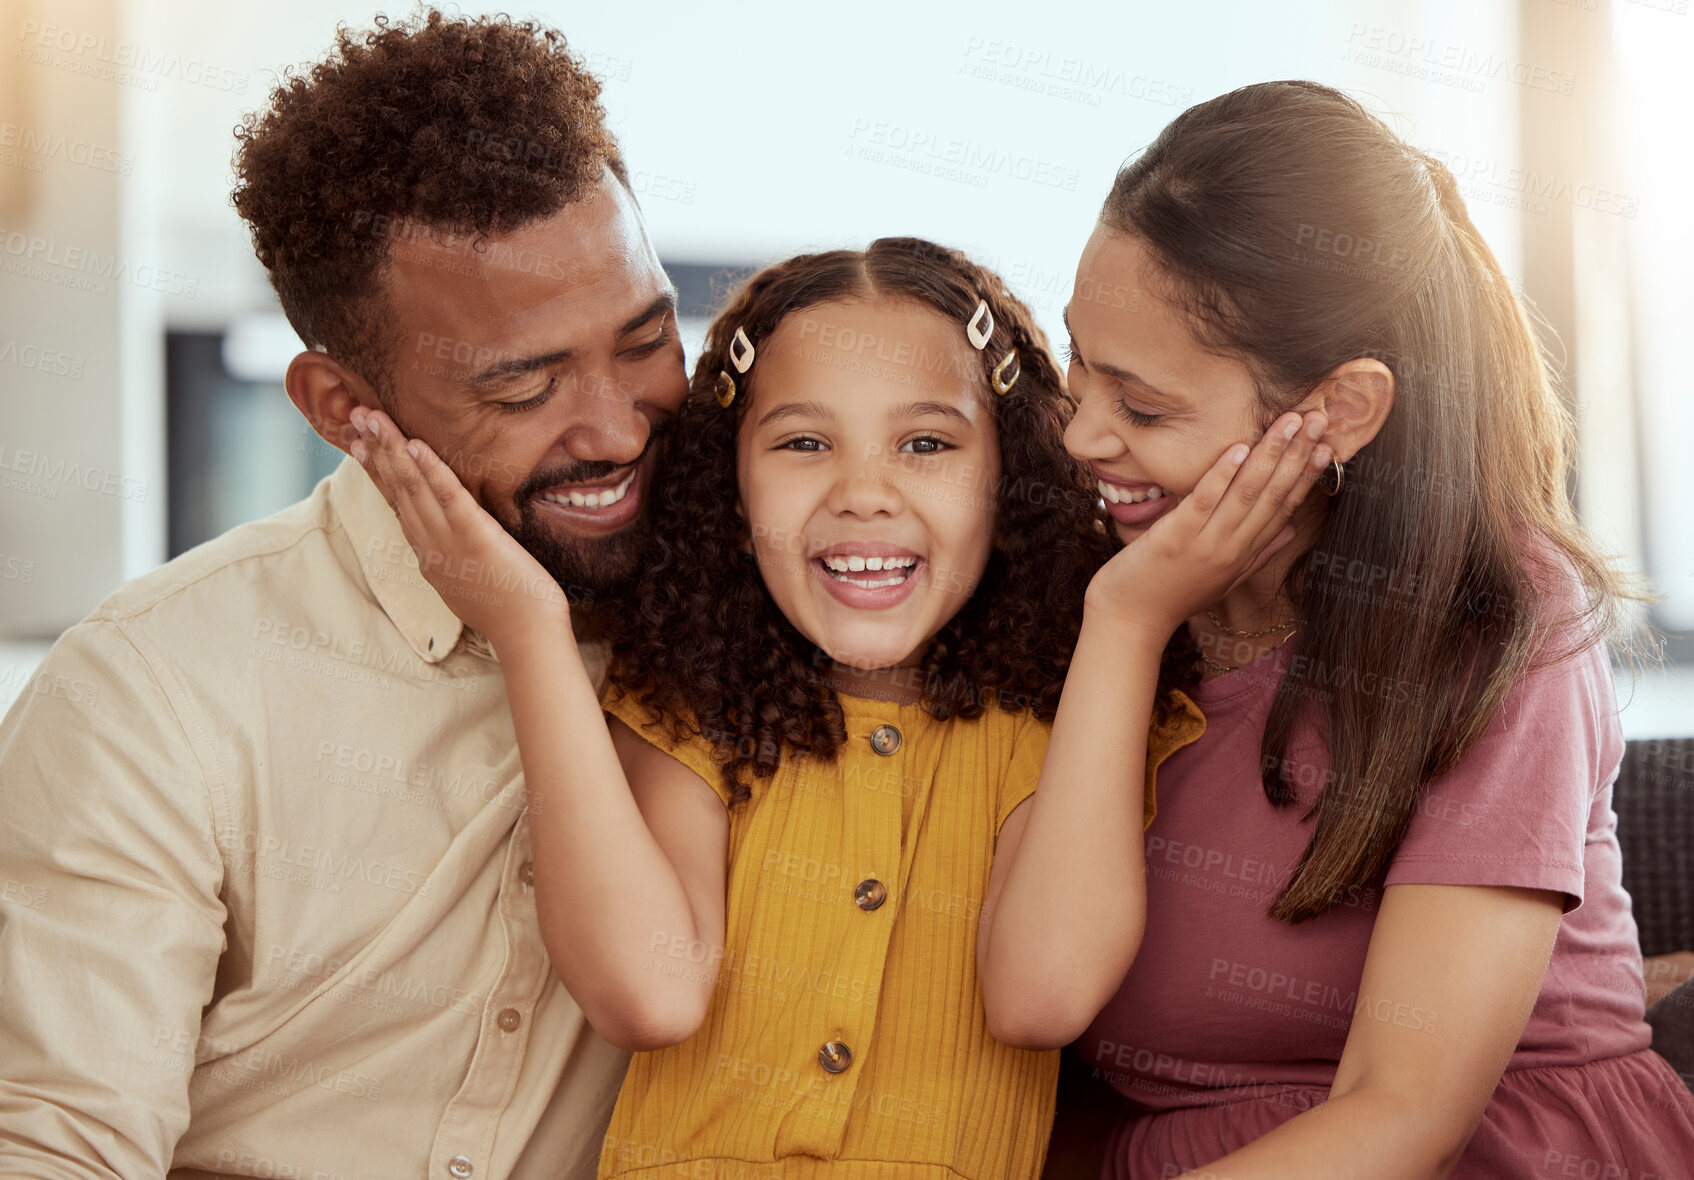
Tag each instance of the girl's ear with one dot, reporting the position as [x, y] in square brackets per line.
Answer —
[1356, 397]
[746, 545]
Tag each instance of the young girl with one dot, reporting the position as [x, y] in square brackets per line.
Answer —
[1386, 934]
[804, 871]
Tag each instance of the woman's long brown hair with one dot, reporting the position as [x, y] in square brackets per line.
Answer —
[1298, 232]
[710, 652]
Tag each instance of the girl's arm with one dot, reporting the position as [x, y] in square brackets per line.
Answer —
[1450, 979]
[629, 867]
[1067, 898]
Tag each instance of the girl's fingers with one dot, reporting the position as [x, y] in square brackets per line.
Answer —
[414, 501]
[1304, 477]
[1209, 492]
[1288, 483]
[458, 506]
[1247, 490]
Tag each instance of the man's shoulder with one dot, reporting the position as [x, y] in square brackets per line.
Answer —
[229, 567]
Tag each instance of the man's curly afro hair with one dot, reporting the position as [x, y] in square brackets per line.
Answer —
[469, 126]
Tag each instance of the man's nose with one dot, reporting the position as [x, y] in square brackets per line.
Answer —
[602, 422]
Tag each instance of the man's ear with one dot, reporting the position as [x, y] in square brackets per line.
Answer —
[325, 391]
[1356, 397]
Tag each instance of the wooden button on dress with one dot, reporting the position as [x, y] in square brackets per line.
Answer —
[885, 739]
[835, 1056]
[870, 894]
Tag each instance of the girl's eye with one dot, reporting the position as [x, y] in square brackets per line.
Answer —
[1132, 416]
[800, 443]
[926, 444]
[532, 402]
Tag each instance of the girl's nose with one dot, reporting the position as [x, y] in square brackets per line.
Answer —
[865, 488]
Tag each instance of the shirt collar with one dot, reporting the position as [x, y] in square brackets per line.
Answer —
[390, 566]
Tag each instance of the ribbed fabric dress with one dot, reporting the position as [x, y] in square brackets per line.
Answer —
[847, 1037]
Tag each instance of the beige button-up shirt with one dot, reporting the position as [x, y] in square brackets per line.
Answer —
[265, 904]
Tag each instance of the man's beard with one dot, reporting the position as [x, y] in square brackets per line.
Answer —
[591, 570]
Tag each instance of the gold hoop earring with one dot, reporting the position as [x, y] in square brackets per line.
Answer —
[1336, 490]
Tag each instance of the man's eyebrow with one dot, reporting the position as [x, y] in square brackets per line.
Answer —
[794, 410]
[1114, 371]
[517, 366]
[666, 302]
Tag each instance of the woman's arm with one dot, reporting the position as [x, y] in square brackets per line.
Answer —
[1067, 896]
[629, 867]
[1450, 979]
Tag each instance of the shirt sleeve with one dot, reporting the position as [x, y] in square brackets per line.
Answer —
[110, 921]
[1515, 810]
[694, 752]
[1023, 773]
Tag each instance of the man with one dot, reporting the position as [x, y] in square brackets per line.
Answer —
[273, 914]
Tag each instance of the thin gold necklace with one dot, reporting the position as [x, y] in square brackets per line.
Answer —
[1228, 630]
[1219, 666]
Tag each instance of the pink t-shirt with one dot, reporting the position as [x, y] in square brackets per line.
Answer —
[1230, 1022]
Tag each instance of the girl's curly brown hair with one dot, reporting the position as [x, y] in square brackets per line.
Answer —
[715, 655]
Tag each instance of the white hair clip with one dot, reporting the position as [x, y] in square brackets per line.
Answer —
[741, 356]
[741, 351]
[980, 326]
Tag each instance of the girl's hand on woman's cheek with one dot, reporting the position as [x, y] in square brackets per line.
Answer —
[1236, 517]
[491, 582]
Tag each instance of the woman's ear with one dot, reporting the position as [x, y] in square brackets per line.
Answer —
[326, 392]
[1356, 397]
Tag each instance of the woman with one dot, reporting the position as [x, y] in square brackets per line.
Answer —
[1386, 935]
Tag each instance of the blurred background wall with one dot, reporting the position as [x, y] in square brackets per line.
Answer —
[141, 349]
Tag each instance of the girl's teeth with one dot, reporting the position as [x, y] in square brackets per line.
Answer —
[841, 566]
[1113, 494]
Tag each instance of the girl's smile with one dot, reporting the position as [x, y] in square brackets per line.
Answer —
[869, 476]
[869, 576]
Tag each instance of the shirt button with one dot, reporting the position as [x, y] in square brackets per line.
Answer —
[509, 1019]
[885, 739]
[459, 1167]
[870, 894]
[835, 1056]
[526, 872]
